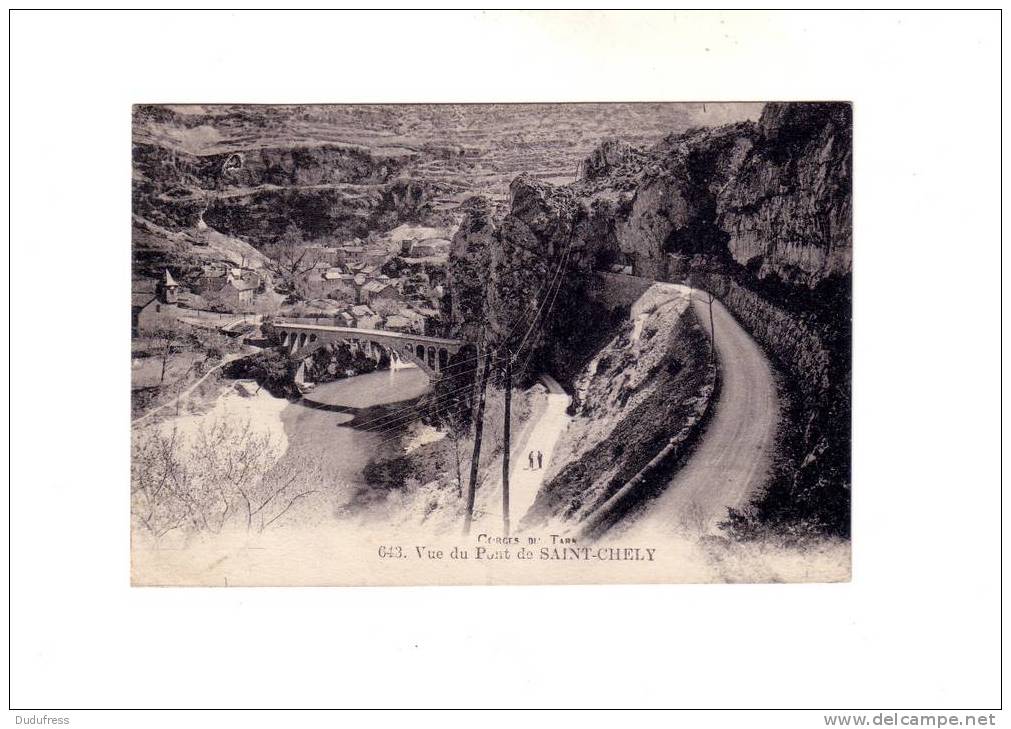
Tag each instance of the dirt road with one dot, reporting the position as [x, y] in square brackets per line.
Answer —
[732, 460]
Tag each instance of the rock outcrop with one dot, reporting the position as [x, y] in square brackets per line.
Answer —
[789, 205]
[773, 196]
[761, 211]
[329, 190]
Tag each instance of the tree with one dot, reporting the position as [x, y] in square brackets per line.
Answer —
[268, 499]
[386, 307]
[291, 256]
[168, 335]
[224, 474]
[271, 368]
[458, 431]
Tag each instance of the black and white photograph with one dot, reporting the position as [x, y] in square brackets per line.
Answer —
[563, 342]
[484, 361]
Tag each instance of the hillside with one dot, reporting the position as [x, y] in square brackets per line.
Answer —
[345, 171]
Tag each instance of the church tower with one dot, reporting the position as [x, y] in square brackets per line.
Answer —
[168, 289]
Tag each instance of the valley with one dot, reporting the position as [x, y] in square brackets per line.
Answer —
[666, 284]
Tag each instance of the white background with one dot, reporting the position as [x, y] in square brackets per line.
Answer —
[919, 626]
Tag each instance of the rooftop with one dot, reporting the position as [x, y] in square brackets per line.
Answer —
[374, 287]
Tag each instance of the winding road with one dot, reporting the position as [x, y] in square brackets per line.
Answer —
[732, 459]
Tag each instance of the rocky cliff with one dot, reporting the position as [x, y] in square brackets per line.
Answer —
[328, 191]
[772, 197]
[788, 207]
[761, 211]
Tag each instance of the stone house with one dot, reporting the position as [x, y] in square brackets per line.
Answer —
[365, 318]
[430, 248]
[380, 292]
[236, 293]
[154, 307]
[214, 278]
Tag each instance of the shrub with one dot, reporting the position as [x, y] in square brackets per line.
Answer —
[272, 369]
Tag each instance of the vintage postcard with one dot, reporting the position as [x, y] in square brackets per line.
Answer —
[491, 343]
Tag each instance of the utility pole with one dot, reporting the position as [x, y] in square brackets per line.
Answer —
[712, 330]
[505, 442]
[476, 458]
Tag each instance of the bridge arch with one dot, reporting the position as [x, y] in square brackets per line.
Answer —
[431, 354]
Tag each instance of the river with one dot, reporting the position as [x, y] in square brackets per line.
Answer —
[343, 425]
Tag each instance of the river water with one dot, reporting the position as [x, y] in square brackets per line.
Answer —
[343, 425]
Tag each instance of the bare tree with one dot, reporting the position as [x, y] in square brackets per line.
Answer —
[459, 430]
[270, 498]
[156, 503]
[291, 256]
[223, 474]
[168, 335]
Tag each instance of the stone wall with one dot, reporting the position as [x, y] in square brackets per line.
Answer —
[797, 347]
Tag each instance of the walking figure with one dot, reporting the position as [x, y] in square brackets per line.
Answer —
[531, 457]
[540, 460]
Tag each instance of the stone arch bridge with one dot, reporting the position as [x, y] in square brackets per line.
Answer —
[431, 354]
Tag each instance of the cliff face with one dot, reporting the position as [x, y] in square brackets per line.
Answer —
[522, 280]
[772, 197]
[338, 191]
[469, 272]
[647, 384]
[759, 213]
[789, 204]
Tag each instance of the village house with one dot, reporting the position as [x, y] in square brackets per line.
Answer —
[236, 293]
[377, 256]
[406, 321]
[351, 254]
[430, 248]
[213, 278]
[415, 320]
[342, 287]
[380, 292]
[329, 255]
[155, 306]
[357, 253]
[397, 323]
[324, 279]
[365, 318]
